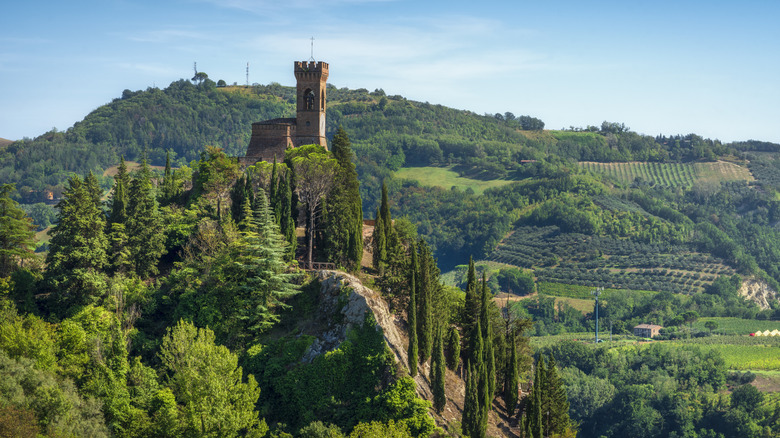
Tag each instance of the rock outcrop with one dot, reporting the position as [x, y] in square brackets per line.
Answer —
[758, 292]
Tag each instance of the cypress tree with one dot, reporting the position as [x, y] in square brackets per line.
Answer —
[146, 240]
[343, 208]
[286, 220]
[558, 405]
[411, 315]
[168, 187]
[272, 191]
[380, 244]
[512, 378]
[471, 306]
[487, 335]
[424, 316]
[453, 344]
[17, 233]
[384, 210]
[470, 403]
[438, 372]
[533, 410]
[483, 387]
[118, 201]
[238, 200]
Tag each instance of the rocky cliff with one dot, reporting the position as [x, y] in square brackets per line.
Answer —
[758, 292]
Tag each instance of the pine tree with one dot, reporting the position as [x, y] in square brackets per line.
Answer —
[77, 250]
[260, 256]
[487, 335]
[146, 240]
[17, 233]
[438, 373]
[411, 315]
[380, 244]
[453, 343]
[424, 316]
[512, 378]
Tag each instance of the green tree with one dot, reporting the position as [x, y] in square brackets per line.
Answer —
[314, 172]
[711, 325]
[411, 315]
[453, 344]
[262, 276]
[487, 336]
[167, 189]
[469, 417]
[379, 240]
[343, 208]
[471, 306]
[286, 221]
[77, 250]
[512, 378]
[17, 233]
[208, 384]
[556, 410]
[146, 240]
[117, 203]
[438, 372]
[425, 286]
[534, 426]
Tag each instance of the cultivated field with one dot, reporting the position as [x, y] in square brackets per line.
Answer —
[671, 174]
[446, 178]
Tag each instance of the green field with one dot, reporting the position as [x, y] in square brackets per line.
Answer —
[446, 178]
[742, 352]
[737, 326]
[671, 174]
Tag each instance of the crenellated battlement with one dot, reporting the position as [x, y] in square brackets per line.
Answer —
[311, 66]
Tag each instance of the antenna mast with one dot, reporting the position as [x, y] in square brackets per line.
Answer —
[312, 50]
[195, 67]
[247, 74]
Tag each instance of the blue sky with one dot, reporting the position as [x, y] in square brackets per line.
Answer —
[661, 67]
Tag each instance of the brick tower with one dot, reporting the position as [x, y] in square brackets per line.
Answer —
[270, 138]
[311, 78]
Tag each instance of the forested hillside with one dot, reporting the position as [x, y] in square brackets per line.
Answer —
[171, 303]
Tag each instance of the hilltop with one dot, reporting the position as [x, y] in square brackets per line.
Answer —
[469, 181]
[4, 142]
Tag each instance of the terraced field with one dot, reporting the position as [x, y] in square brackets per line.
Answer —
[671, 174]
[594, 261]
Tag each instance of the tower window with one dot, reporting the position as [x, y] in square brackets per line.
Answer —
[322, 101]
[308, 99]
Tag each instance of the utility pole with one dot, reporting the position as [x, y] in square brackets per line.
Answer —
[596, 293]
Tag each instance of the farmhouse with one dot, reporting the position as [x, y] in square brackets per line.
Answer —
[647, 330]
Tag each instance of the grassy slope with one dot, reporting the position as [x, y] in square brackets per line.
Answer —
[446, 178]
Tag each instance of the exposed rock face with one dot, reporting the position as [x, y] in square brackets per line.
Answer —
[758, 292]
[343, 304]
